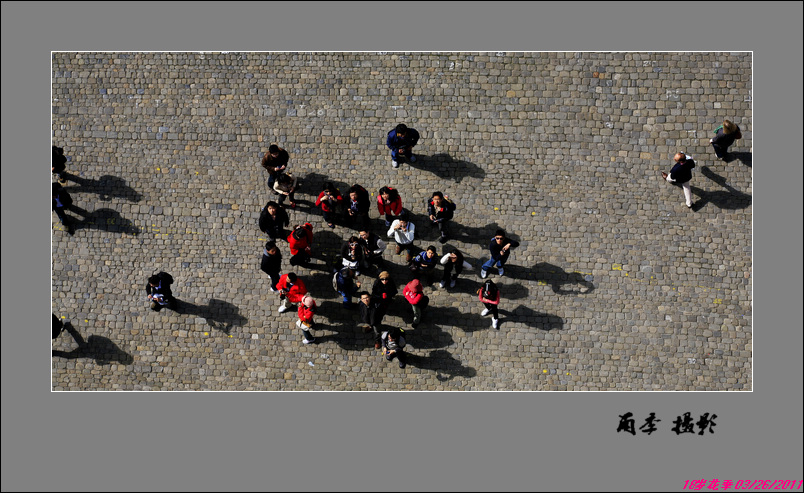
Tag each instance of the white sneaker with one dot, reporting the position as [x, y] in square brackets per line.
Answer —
[274, 290]
[305, 341]
[500, 271]
[495, 323]
[483, 273]
[394, 164]
[452, 283]
[442, 284]
[412, 158]
[282, 309]
[484, 312]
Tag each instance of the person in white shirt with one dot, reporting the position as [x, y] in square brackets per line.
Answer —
[402, 231]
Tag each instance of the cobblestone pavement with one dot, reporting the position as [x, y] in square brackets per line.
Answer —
[616, 284]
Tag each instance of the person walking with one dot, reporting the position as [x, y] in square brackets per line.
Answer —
[500, 249]
[300, 242]
[357, 208]
[275, 162]
[61, 200]
[271, 263]
[346, 284]
[414, 294]
[291, 291]
[329, 200]
[424, 263]
[393, 346]
[159, 292]
[273, 220]
[440, 210]
[403, 232]
[286, 185]
[59, 164]
[489, 295]
[453, 261]
[725, 135]
[307, 310]
[389, 203]
[371, 314]
[401, 141]
[681, 174]
[374, 248]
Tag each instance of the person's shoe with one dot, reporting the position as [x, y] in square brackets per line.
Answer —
[452, 283]
[401, 364]
[412, 158]
[484, 312]
[442, 240]
[664, 175]
[70, 230]
[282, 309]
[308, 341]
[442, 284]
[377, 345]
[483, 273]
[495, 323]
[500, 271]
[394, 164]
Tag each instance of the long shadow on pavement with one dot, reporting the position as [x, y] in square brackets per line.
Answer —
[99, 348]
[531, 318]
[744, 157]
[731, 198]
[442, 363]
[220, 315]
[446, 167]
[106, 187]
[103, 219]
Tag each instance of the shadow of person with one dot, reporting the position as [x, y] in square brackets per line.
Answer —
[445, 167]
[442, 363]
[744, 157]
[731, 198]
[471, 285]
[428, 336]
[450, 316]
[531, 318]
[561, 281]
[220, 315]
[481, 235]
[107, 186]
[104, 219]
[99, 348]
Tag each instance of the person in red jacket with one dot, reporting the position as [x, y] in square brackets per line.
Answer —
[307, 310]
[489, 295]
[300, 242]
[414, 293]
[389, 203]
[329, 200]
[291, 291]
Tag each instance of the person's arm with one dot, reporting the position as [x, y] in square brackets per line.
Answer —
[410, 233]
[392, 229]
[380, 246]
[445, 259]
[390, 141]
[466, 265]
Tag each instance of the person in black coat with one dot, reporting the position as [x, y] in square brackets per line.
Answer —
[371, 314]
[159, 293]
[500, 249]
[61, 200]
[681, 174]
[357, 208]
[271, 263]
[273, 220]
[59, 164]
[441, 210]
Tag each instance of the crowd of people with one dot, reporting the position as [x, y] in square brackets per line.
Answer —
[363, 253]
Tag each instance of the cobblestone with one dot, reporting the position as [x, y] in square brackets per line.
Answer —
[616, 286]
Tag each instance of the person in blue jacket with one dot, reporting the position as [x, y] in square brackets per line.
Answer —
[401, 141]
[681, 174]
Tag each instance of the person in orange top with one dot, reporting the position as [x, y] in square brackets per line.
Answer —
[329, 200]
[300, 242]
[291, 291]
[389, 203]
[307, 310]
[414, 293]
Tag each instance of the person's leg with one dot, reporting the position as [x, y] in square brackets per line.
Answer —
[500, 264]
[308, 336]
[61, 215]
[400, 356]
[447, 274]
[489, 264]
[443, 229]
[486, 309]
[155, 306]
[274, 279]
[687, 193]
[719, 151]
[417, 314]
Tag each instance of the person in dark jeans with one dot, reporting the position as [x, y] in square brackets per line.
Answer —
[271, 263]
[401, 141]
[500, 249]
[393, 346]
[371, 314]
[489, 295]
[725, 135]
[159, 293]
[61, 200]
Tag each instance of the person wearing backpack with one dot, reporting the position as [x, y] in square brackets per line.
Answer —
[358, 204]
[489, 295]
[393, 346]
[441, 210]
[159, 293]
[59, 164]
[273, 220]
[681, 174]
[300, 242]
[725, 135]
